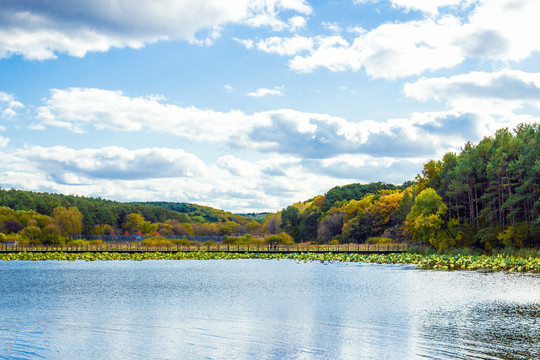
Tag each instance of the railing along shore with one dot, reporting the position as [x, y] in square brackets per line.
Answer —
[135, 247]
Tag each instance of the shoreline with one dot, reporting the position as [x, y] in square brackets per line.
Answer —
[499, 262]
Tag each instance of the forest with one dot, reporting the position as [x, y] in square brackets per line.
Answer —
[486, 196]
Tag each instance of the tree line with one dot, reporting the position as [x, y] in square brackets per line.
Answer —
[34, 217]
[486, 196]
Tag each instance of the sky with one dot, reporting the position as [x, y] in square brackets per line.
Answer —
[252, 105]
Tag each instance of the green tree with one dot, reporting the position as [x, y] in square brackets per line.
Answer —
[31, 233]
[133, 223]
[69, 220]
[425, 221]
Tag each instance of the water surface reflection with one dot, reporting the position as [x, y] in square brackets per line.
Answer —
[246, 309]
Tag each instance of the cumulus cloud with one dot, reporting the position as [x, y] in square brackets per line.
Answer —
[77, 108]
[505, 85]
[297, 22]
[277, 91]
[366, 168]
[283, 131]
[495, 98]
[237, 167]
[492, 30]
[40, 30]
[390, 51]
[501, 30]
[68, 166]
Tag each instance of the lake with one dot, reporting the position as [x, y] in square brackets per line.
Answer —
[263, 309]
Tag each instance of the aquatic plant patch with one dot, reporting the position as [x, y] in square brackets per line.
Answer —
[434, 261]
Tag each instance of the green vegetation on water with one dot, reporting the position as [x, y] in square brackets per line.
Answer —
[499, 262]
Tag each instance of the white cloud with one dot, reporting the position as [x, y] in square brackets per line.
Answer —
[496, 98]
[3, 141]
[492, 30]
[366, 168]
[356, 30]
[265, 13]
[247, 43]
[284, 131]
[70, 166]
[8, 105]
[505, 85]
[228, 88]
[297, 22]
[77, 108]
[237, 167]
[285, 46]
[497, 94]
[390, 51]
[40, 30]
[277, 91]
[332, 26]
[502, 30]
[332, 52]
[427, 6]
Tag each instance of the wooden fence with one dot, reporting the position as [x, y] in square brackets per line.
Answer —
[135, 247]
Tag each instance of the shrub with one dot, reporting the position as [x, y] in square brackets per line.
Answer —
[31, 235]
[246, 239]
[78, 243]
[378, 240]
[11, 238]
[281, 238]
[181, 242]
[156, 241]
[3, 237]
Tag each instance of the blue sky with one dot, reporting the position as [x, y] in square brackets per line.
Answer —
[251, 105]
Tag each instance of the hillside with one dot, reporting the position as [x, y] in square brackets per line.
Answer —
[101, 211]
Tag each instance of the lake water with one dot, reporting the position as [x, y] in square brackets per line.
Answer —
[261, 309]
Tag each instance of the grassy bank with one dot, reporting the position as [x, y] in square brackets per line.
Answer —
[497, 262]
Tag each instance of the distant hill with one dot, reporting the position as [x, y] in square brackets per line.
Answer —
[197, 213]
[102, 211]
[258, 217]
